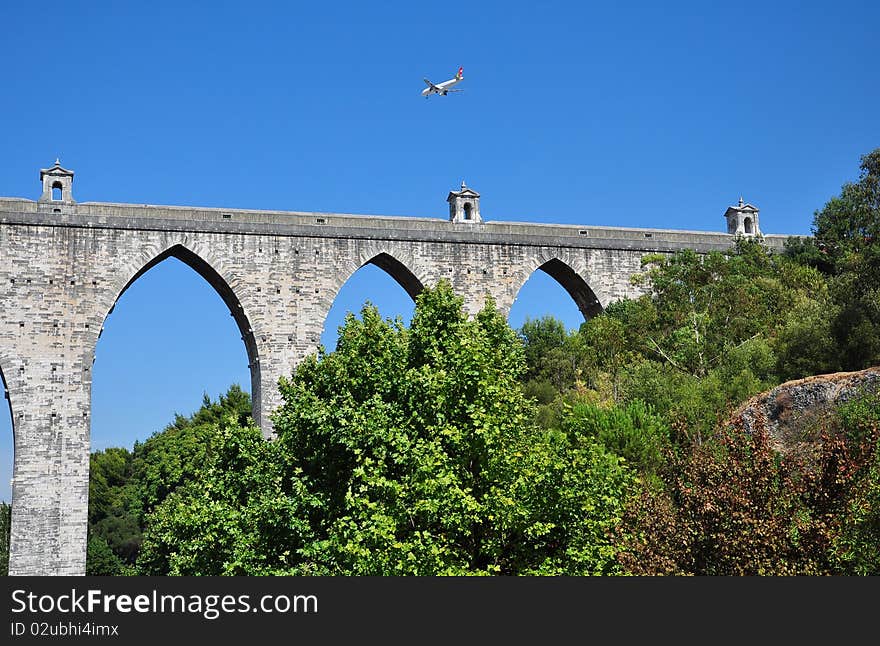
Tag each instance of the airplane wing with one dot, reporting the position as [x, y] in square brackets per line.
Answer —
[441, 88]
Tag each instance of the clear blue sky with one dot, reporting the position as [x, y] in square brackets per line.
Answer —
[625, 113]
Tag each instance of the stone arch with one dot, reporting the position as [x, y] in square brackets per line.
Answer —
[570, 274]
[399, 272]
[396, 264]
[19, 508]
[6, 394]
[223, 282]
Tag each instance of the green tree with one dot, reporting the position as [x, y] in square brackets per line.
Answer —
[606, 337]
[632, 431]
[713, 330]
[702, 308]
[554, 358]
[109, 473]
[172, 457]
[806, 344]
[401, 452]
[101, 560]
[125, 486]
[847, 231]
[113, 510]
[847, 228]
[856, 548]
[237, 516]
[856, 323]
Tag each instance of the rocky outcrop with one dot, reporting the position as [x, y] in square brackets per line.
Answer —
[793, 412]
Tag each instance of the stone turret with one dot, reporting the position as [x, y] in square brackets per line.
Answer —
[57, 178]
[464, 205]
[742, 219]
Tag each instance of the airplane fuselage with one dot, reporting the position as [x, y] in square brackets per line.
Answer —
[444, 87]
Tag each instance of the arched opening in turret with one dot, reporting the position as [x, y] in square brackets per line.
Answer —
[747, 225]
[7, 461]
[467, 210]
[56, 192]
[385, 282]
[176, 342]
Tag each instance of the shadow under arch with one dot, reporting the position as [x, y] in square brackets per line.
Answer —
[8, 399]
[9, 459]
[399, 272]
[578, 288]
[232, 302]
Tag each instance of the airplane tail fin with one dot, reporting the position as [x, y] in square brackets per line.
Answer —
[460, 74]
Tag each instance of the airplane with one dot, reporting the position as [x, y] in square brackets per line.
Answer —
[444, 87]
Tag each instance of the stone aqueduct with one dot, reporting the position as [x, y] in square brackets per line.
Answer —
[63, 266]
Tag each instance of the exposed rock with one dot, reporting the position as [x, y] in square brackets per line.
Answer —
[792, 412]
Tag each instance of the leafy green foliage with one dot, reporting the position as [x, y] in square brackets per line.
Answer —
[806, 252]
[806, 343]
[237, 517]
[856, 323]
[608, 341]
[713, 331]
[101, 560]
[633, 432]
[109, 472]
[5, 534]
[554, 358]
[693, 406]
[702, 309]
[401, 452]
[847, 228]
[460, 447]
[847, 233]
[566, 497]
[859, 416]
[856, 549]
[113, 511]
[124, 487]
[171, 458]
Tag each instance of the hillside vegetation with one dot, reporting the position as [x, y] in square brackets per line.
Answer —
[459, 446]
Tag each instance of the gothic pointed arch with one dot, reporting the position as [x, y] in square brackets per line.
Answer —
[213, 273]
[399, 272]
[572, 281]
[396, 265]
[7, 395]
[8, 458]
